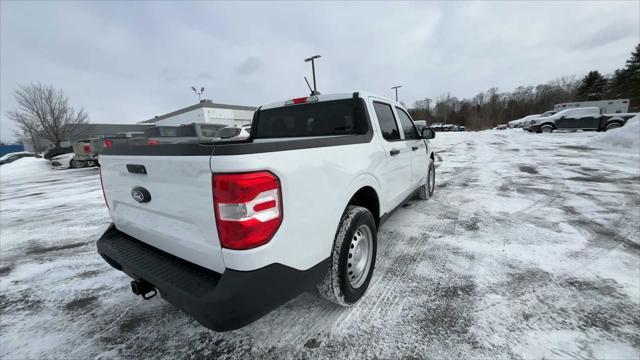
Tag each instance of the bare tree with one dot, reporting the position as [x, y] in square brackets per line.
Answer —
[44, 111]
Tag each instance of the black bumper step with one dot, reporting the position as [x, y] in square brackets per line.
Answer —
[218, 301]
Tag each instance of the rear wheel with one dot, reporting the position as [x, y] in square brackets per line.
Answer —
[613, 125]
[546, 129]
[352, 259]
[425, 192]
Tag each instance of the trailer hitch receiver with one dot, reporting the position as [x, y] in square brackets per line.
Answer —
[143, 288]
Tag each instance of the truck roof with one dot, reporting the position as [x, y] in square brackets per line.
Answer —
[329, 97]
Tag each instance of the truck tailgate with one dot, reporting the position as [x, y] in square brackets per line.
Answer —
[178, 217]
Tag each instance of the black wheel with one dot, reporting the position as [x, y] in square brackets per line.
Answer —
[74, 164]
[547, 129]
[612, 125]
[352, 259]
[425, 192]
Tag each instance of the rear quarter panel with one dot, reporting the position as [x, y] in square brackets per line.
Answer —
[316, 186]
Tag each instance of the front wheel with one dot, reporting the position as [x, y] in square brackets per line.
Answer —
[425, 192]
[546, 129]
[352, 259]
[74, 164]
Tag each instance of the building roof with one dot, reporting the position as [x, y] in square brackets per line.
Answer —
[202, 104]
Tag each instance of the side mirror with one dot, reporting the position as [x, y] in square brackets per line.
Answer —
[428, 133]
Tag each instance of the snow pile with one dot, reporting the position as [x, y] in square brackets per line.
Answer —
[22, 168]
[627, 136]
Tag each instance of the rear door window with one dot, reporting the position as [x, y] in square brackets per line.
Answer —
[387, 121]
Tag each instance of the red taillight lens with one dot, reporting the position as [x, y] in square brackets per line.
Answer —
[86, 148]
[248, 208]
[153, 142]
[108, 144]
[104, 195]
[301, 100]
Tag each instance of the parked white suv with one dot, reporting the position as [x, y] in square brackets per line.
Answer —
[229, 231]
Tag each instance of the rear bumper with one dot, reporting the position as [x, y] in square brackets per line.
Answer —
[220, 302]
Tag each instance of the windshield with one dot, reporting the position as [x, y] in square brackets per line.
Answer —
[337, 117]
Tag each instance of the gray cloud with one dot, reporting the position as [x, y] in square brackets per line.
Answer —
[125, 62]
[250, 65]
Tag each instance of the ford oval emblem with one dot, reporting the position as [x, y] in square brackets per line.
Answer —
[140, 194]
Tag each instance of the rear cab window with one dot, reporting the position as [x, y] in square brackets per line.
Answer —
[325, 118]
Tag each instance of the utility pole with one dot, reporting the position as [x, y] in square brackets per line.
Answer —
[198, 93]
[396, 89]
[313, 71]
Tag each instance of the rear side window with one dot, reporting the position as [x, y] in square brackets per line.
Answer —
[387, 121]
[326, 118]
[407, 125]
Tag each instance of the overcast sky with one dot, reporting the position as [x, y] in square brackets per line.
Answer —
[126, 62]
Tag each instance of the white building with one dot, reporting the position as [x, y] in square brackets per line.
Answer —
[206, 112]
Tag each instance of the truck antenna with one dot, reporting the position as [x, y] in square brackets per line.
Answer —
[313, 70]
[310, 89]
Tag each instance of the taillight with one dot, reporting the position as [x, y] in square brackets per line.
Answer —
[302, 100]
[153, 142]
[248, 208]
[86, 148]
[108, 144]
[104, 195]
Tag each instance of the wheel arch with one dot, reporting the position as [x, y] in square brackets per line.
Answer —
[367, 197]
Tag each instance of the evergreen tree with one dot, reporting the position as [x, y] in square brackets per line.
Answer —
[593, 87]
[631, 86]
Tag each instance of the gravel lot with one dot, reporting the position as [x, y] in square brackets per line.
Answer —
[529, 249]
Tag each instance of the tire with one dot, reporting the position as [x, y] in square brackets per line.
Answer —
[612, 125]
[547, 129]
[74, 164]
[425, 192]
[354, 248]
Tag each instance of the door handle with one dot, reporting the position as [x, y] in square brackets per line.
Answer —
[414, 148]
[394, 152]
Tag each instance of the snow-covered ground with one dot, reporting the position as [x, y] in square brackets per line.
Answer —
[529, 249]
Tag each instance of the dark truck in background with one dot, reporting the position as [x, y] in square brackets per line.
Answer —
[587, 118]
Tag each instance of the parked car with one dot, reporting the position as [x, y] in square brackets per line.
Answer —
[229, 231]
[525, 124]
[53, 152]
[587, 118]
[520, 122]
[11, 157]
[64, 161]
[84, 154]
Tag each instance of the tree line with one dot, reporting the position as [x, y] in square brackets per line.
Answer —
[492, 107]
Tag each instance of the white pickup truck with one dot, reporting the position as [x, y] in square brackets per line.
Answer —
[229, 231]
